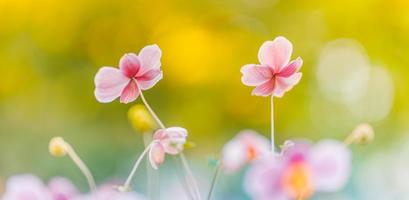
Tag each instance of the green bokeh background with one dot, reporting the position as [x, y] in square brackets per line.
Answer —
[50, 51]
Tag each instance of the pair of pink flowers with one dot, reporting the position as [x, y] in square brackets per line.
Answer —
[299, 170]
[275, 74]
[137, 73]
[29, 187]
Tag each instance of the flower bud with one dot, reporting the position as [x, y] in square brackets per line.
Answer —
[140, 118]
[57, 147]
[363, 134]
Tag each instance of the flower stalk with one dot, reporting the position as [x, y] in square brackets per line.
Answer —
[58, 147]
[214, 180]
[126, 186]
[190, 177]
[272, 124]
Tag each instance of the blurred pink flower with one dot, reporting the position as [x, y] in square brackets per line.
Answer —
[246, 147]
[275, 74]
[302, 170]
[170, 140]
[62, 189]
[26, 187]
[135, 73]
[107, 192]
[30, 187]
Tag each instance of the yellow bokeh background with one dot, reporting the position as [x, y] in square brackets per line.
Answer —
[50, 51]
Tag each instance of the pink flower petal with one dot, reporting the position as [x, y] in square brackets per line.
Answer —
[156, 155]
[330, 161]
[150, 58]
[62, 189]
[172, 139]
[283, 85]
[26, 186]
[233, 156]
[264, 89]
[275, 54]
[129, 65]
[109, 83]
[149, 79]
[130, 93]
[246, 147]
[263, 180]
[291, 68]
[254, 75]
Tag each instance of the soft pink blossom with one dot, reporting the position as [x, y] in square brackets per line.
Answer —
[26, 187]
[135, 73]
[62, 189]
[300, 171]
[107, 192]
[30, 187]
[170, 140]
[275, 74]
[246, 147]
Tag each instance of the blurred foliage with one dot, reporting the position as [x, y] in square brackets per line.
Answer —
[50, 51]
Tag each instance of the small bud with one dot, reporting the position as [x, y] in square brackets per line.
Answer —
[57, 147]
[140, 118]
[363, 134]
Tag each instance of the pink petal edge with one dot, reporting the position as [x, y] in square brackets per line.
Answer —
[130, 93]
[129, 64]
[109, 84]
[150, 58]
[276, 53]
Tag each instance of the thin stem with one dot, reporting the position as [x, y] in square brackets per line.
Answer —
[190, 175]
[153, 176]
[159, 122]
[184, 182]
[272, 124]
[135, 167]
[150, 110]
[214, 181]
[81, 165]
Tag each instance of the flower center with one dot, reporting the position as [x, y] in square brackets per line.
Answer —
[251, 153]
[297, 181]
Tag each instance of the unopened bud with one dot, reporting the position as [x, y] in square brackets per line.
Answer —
[140, 118]
[363, 134]
[57, 147]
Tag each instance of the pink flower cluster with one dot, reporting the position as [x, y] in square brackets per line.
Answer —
[29, 187]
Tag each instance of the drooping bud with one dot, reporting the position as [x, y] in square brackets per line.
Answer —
[57, 147]
[140, 118]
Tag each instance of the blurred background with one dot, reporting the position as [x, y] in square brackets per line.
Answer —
[355, 70]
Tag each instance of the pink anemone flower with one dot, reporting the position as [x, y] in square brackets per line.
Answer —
[135, 73]
[275, 74]
[246, 147]
[170, 140]
[27, 186]
[62, 189]
[300, 171]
